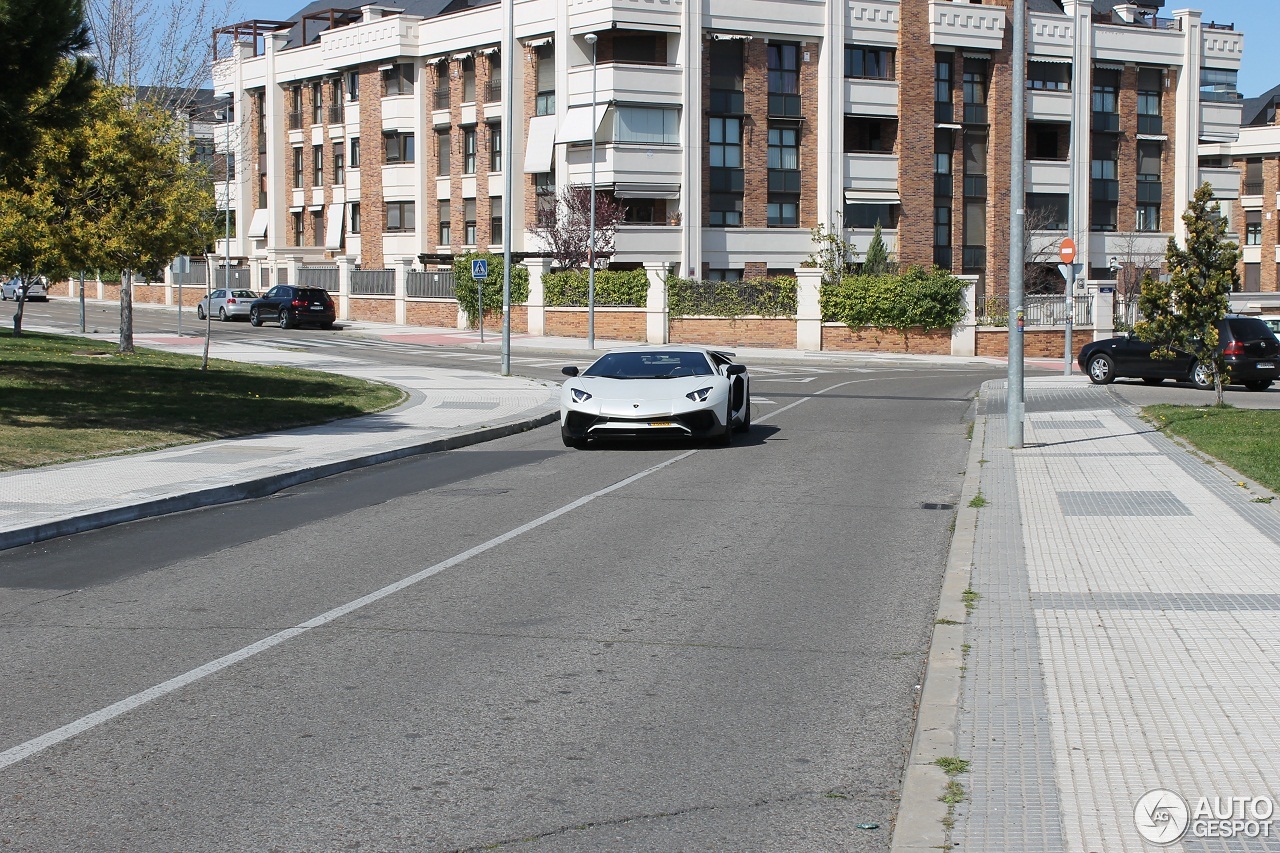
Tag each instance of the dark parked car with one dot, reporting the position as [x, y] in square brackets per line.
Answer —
[1251, 351]
[293, 307]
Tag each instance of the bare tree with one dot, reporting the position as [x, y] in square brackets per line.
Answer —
[163, 45]
[1137, 255]
[567, 234]
[1040, 257]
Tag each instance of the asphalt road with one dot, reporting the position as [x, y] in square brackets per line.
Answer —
[641, 647]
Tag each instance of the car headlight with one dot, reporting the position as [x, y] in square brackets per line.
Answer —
[579, 396]
[699, 396]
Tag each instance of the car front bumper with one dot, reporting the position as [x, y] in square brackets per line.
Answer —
[697, 423]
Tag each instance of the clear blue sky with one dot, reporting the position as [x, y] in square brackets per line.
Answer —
[1258, 19]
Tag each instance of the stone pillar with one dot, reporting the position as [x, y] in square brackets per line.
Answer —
[537, 267]
[345, 264]
[808, 311]
[294, 265]
[657, 323]
[169, 285]
[402, 289]
[964, 335]
[1104, 299]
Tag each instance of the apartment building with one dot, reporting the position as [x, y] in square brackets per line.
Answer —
[728, 128]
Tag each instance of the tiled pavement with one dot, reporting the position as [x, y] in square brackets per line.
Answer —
[1126, 638]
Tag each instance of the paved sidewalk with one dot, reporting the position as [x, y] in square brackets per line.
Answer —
[446, 408]
[1126, 637]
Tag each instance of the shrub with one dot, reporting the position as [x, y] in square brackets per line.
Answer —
[929, 299]
[765, 297]
[465, 286]
[568, 288]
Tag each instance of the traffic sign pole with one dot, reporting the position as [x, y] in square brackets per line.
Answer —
[480, 271]
[1070, 270]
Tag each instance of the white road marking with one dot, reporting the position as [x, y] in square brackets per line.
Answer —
[776, 412]
[124, 706]
[763, 400]
[784, 379]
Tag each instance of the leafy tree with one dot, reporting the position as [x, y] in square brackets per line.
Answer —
[834, 254]
[877, 261]
[1183, 312]
[41, 91]
[567, 233]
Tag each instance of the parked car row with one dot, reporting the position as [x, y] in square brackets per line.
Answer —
[37, 292]
[290, 306]
[1247, 344]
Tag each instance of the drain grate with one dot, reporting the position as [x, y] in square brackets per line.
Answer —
[937, 506]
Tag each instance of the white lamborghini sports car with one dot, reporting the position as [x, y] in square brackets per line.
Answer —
[656, 392]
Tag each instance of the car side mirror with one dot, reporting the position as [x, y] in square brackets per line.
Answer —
[735, 369]
[569, 371]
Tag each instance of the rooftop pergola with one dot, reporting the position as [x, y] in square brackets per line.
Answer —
[248, 32]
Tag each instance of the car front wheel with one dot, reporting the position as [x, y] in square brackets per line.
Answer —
[254, 319]
[200, 312]
[1102, 370]
[1202, 376]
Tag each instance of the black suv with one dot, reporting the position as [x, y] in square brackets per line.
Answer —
[1251, 351]
[293, 307]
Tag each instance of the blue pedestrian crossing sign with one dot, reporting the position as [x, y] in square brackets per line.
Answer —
[479, 269]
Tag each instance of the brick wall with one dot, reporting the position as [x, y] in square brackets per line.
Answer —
[1037, 344]
[755, 136]
[1127, 154]
[1267, 268]
[443, 314]
[151, 294]
[373, 309]
[841, 338]
[1168, 109]
[1000, 96]
[770, 332]
[610, 324]
[373, 208]
[809, 104]
[915, 70]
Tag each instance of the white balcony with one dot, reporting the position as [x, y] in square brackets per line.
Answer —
[871, 172]
[861, 239]
[590, 15]
[785, 247]
[400, 113]
[1225, 182]
[871, 97]
[1133, 44]
[966, 25]
[1050, 35]
[640, 243]
[381, 39]
[1221, 48]
[400, 244]
[400, 181]
[1048, 176]
[626, 163]
[1048, 106]
[873, 22]
[642, 84]
[802, 18]
[1220, 120]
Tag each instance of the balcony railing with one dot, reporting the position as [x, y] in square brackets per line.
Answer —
[975, 113]
[975, 257]
[337, 114]
[373, 282]
[1104, 189]
[1149, 192]
[441, 99]
[727, 102]
[433, 284]
[1253, 187]
[1150, 125]
[784, 180]
[1106, 122]
[1038, 310]
[493, 91]
[295, 120]
[727, 180]
[975, 186]
[784, 106]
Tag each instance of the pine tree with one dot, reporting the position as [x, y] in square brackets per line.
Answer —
[877, 261]
[1183, 313]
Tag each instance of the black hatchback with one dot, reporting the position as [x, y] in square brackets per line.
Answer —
[1251, 351]
[293, 307]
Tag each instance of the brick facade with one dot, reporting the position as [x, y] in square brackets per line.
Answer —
[840, 338]
[915, 70]
[373, 207]
[1035, 344]
[611, 324]
[442, 313]
[771, 332]
[372, 308]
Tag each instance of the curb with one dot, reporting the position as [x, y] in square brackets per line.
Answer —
[259, 487]
[918, 827]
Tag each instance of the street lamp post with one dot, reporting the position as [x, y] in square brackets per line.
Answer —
[591, 39]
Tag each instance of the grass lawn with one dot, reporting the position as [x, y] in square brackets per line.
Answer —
[1246, 439]
[65, 398]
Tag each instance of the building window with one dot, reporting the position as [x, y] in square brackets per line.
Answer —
[1106, 88]
[468, 80]
[295, 108]
[295, 219]
[784, 78]
[1049, 76]
[1253, 227]
[1150, 83]
[495, 147]
[545, 103]
[400, 215]
[469, 222]
[468, 151]
[726, 143]
[640, 48]
[446, 229]
[783, 211]
[974, 250]
[317, 227]
[869, 214]
[868, 63]
[646, 125]
[724, 275]
[1218, 84]
[493, 87]
[1102, 215]
[354, 217]
[443, 153]
[725, 210]
[339, 164]
[297, 167]
[1047, 141]
[645, 211]
[317, 165]
[1148, 217]
[975, 165]
[784, 148]
[1047, 211]
[725, 152]
[942, 226]
[495, 219]
[353, 85]
[398, 146]
[544, 188]
[975, 91]
[867, 134]
[398, 80]
[317, 105]
[942, 95]
[441, 95]
[1252, 278]
[726, 67]
[1149, 162]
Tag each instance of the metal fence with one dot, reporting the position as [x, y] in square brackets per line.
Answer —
[198, 276]
[1125, 313]
[1048, 310]
[436, 284]
[240, 279]
[373, 283]
[325, 277]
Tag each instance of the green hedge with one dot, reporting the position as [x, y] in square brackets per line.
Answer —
[915, 298]
[568, 288]
[765, 297]
[465, 286]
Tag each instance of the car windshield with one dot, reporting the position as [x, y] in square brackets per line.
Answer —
[244, 294]
[649, 365]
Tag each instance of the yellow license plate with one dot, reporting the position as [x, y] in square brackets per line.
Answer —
[659, 423]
